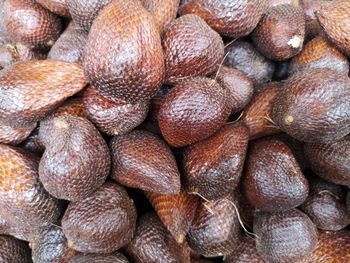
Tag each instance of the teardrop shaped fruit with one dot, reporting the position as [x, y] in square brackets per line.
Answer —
[58, 7]
[31, 24]
[334, 19]
[115, 257]
[213, 167]
[176, 211]
[24, 201]
[215, 230]
[288, 236]
[319, 53]
[142, 160]
[312, 26]
[273, 180]
[81, 152]
[15, 135]
[330, 161]
[191, 49]
[72, 107]
[30, 90]
[102, 222]
[153, 243]
[114, 116]
[229, 18]
[314, 106]
[193, 110]
[123, 57]
[13, 250]
[257, 115]
[242, 55]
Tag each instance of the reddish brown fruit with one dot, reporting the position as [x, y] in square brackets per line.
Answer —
[13, 250]
[215, 230]
[153, 243]
[330, 161]
[113, 117]
[273, 180]
[280, 33]
[31, 24]
[83, 157]
[193, 110]
[142, 160]
[33, 143]
[314, 106]
[191, 49]
[72, 107]
[283, 2]
[175, 211]
[15, 135]
[58, 7]
[229, 18]
[213, 167]
[115, 257]
[245, 252]
[30, 90]
[334, 19]
[319, 53]
[288, 236]
[102, 222]
[243, 56]
[123, 57]
[257, 115]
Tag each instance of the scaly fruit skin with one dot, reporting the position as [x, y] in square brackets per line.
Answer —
[123, 57]
[142, 160]
[152, 243]
[314, 106]
[115, 257]
[229, 18]
[31, 24]
[33, 144]
[113, 117]
[72, 107]
[213, 167]
[330, 161]
[287, 236]
[193, 110]
[24, 202]
[191, 49]
[280, 33]
[31, 90]
[58, 7]
[245, 252]
[13, 250]
[176, 211]
[84, 222]
[215, 230]
[243, 56]
[334, 19]
[15, 135]
[81, 152]
[319, 53]
[272, 3]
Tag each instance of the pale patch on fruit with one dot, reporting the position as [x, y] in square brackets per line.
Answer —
[61, 124]
[288, 119]
[296, 41]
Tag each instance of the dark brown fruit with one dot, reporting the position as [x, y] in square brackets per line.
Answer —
[30, 90]
[123, 56]
[319, 53]
[115, 257]
[175, 211]
[102, 222]
[84, 12]
[287, 236]
[257, 115]
[142, 160]
[199, 260]
[51, 246]
[243, 56]
[72, 107]
[13, 250]
[283, 2]
[33, 144]
[163, 11]
[314, 106]
[58, 7]
[334, 19]
[229, 18]
[70, 45]
[215, 230]
[245, 252]
[24, 202]
[273, 180]
[193, 110]
[113, 116]
[15, 135]
[326, 206]
[191, 49]
[31, 24]
[241, 86]
[280, 33]
[330, 161]
[75, 145]
[213, 167]
[152, 243]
